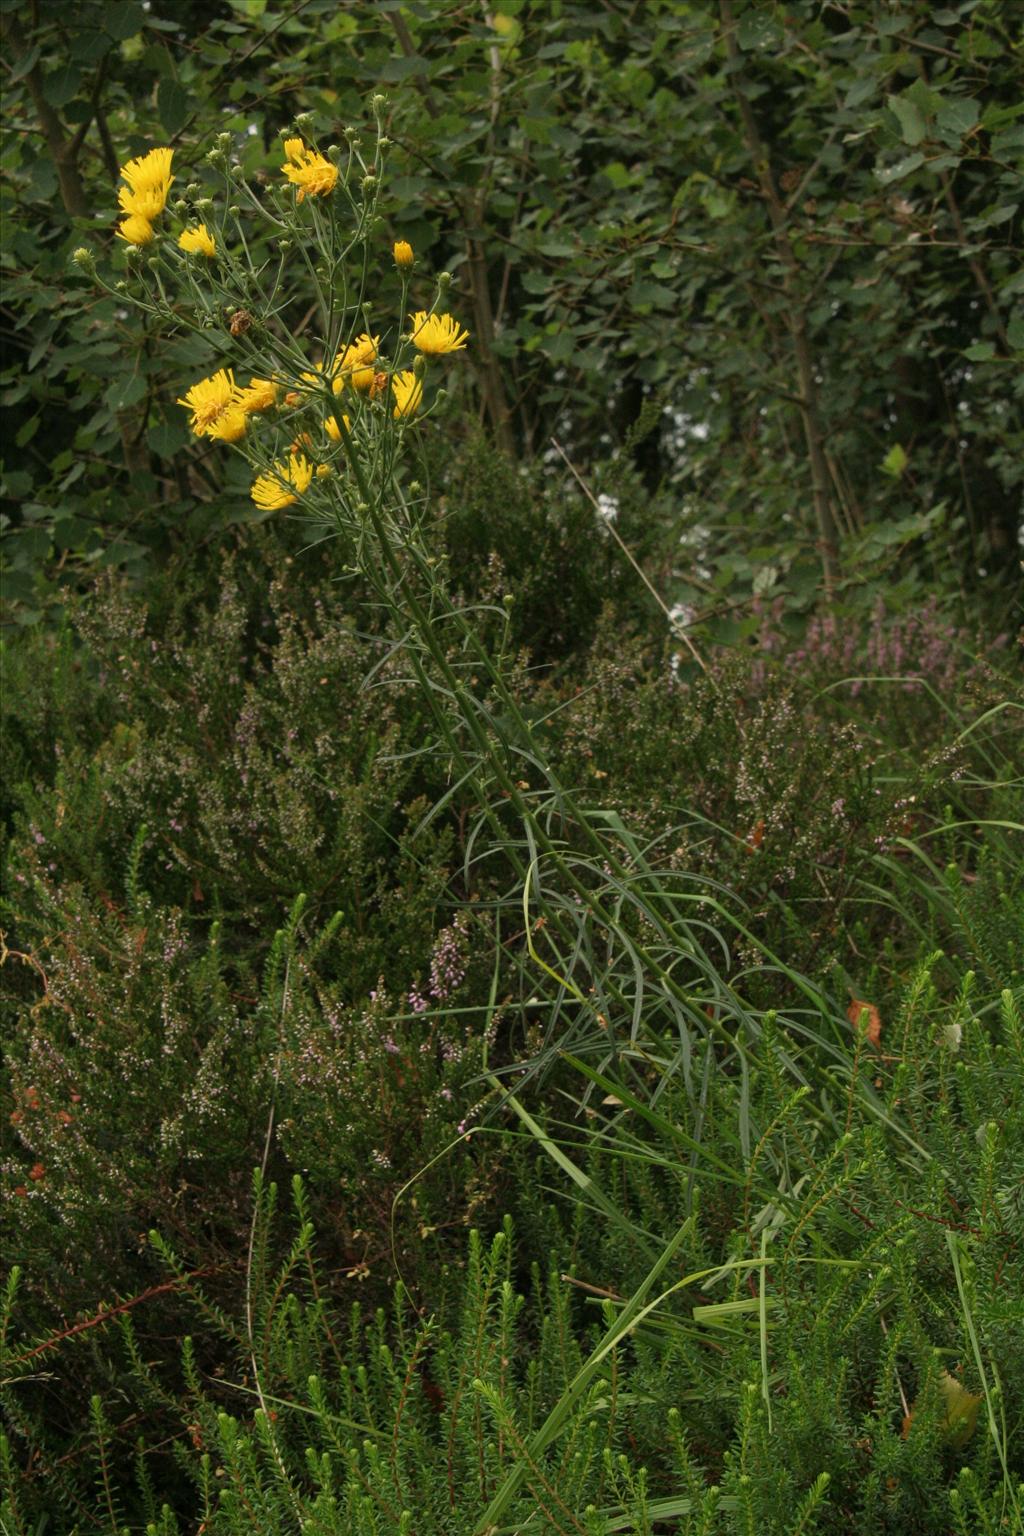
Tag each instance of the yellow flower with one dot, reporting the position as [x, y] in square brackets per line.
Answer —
[284, 484]
[324, 472]
[148, 205]
[149, 177]
[317, 379]
[261, 395]
[333, 430]
[437, 334]
[308, 170]
[210, 399]
[198, 241]
[408, 393]
[230, 425]
[353, 366]
[135, 229]
[403, 254]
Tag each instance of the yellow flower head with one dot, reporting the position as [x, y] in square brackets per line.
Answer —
[333, 430]
[198, 241]
[135, 229]
[437, 334]
[308, 170]
[230, 425]
[403, 254]
[284, 484]
[147, 205]
[149, 177]
[317, 379]
[261, 395]
[210, 399]
[354, 365]
[408, 392]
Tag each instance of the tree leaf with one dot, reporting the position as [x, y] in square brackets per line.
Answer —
[910, 117]
[895, 461]
[60, 86]
[958, 116]
[123, 18]
[890, 173]
[172, 105]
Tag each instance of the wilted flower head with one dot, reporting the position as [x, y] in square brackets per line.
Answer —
[436, 334]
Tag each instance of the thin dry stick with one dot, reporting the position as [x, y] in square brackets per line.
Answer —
[677, 629]
[899, 1384]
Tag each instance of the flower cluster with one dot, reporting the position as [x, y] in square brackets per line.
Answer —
[220, 409]
[370, 387]
[143, 199]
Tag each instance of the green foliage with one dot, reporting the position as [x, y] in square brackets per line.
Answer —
[471, 886]
[821, 317]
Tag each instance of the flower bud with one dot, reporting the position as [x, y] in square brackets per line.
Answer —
[378, 103]
[333, 153]
[224, 140]
[403, 254]
[193, 189]
[304, 121]
[83, 258]
[385, 143]
[419, 365]
[369, 185]
[121, 286]
[444, 282]
[205, 205]
[284, 245]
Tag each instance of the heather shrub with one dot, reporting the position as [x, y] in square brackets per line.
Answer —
[784, 772]
[812, 1339]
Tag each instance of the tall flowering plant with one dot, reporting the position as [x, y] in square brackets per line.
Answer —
[325, 428]
[333, 409]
